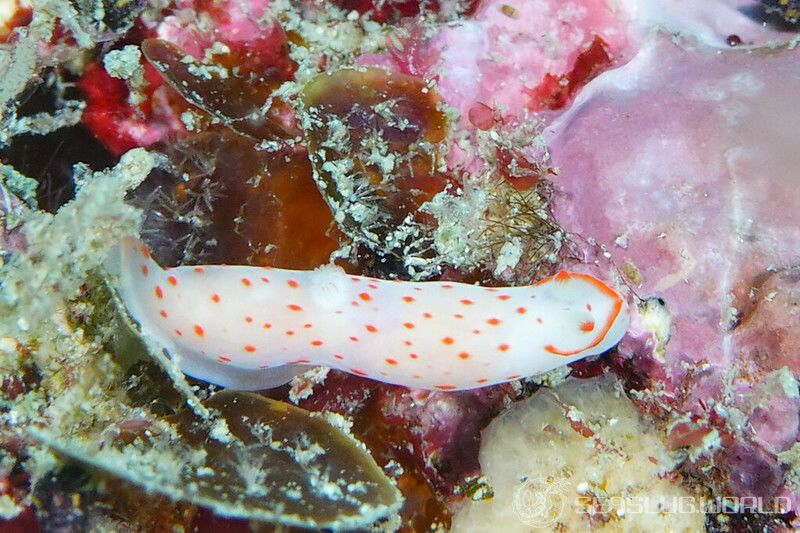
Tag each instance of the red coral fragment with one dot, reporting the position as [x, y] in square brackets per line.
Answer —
[555, 92]
[521, 173]
[119, 125]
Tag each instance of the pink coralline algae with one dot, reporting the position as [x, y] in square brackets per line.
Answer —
[501, 55]
[692, 154]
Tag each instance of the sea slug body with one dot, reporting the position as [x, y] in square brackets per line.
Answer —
[250, 327]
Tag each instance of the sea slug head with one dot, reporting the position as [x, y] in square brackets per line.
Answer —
[587, 316]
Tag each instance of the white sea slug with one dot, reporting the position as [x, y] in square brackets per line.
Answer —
[249, 327]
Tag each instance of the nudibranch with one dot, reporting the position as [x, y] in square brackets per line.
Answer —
[255, 327]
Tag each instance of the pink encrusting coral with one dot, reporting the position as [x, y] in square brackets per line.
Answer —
[444, 336]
